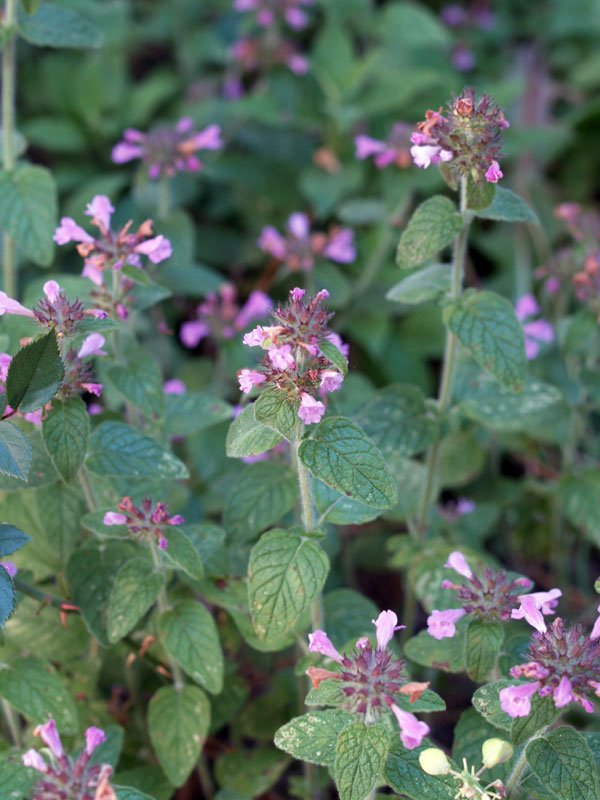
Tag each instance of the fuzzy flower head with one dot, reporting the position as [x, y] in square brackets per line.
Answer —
[393, 150]
[299, 248]
[465, 139]
[491, 596]
[168, 149]
[537, 331]
[562, 662]
[64, 777]
[147, 523]
[294, 362]
[220, 316]
[373, 679]
[270, 12]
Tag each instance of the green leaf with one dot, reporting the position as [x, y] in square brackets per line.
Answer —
[252, 772]
[30, 6]
[405, 775]
[190, 636]
[396, 420]
[35, 689]
[445, 654]
[118, 449]
[182, 554]
[247, 437]
[543, 713]
[16, 780]
[313, 737]
[461, 459]
[28, 211]
[433, 225]
[508, 207]
[427, 702]
[342, 456]
[276, 410]
[66, 433]
[426, 284]
[140, 382]
[564, 764]
[487, 326]
[479, 195]
[136, 587]
[334, 355]
[11, 539]
[129, 793]
[178, 721]
[482, 647]
[502, 410]
[578, 495]
[7, 596]
[261, 496]
[35, 374]
[91, 572]
[15, 451]
[189, 413]
[339, 509]
[486, 701]
[55, 26]
[360, 755]
[285, 574]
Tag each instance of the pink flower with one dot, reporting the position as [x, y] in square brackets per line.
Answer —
[464, 506]
[531, 612]
[362, 643]
[92, 346]
[367, 147]
[310, 410]
[162, 542]
[255, 338]
[93, 737]
[386, 623]
[98, 313]
[563, 694]
[318, 642]
[174, 386]
[595, 634]
[52, 291]
[297, 294]
[93, 388]
[331, 380]
[249, 378]
[552, 285]
[9, 567]
[341, 247]
[413, 731]
[33, 759]
[69, 231]
[100, 209]
[257, 305]
[493, 173]
[10, 306]
[516, 700]
[545, 601]
[272, 242]
[281, 357]
[442, 624]
[114, 518]
[526, 306]
[209, 138]
[298, 225]
[92, 272]
[157, 249]
[426, 154]
[123, 152]
[535, 331]
[50, 737]
[192, 333]
[458, 563]
[298, 64]
[296, 18]
[335, 339]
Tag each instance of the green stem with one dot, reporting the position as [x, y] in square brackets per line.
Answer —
[87, 488]
[164, 197]
[8, 126]
[163, 605]
[516, 774]
[36, 594]
[449, 365]
[12, 723]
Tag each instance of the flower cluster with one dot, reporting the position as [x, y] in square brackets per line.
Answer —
[168, 149]
[220, 316]
[371, 678]
[563, 662]
[466, 141]
[299, 248]
[493, 597]
[65, 777]
[111, 249]
[536, 330]
[267, 12]
[145, 523]
[294, 362]
[393, 150]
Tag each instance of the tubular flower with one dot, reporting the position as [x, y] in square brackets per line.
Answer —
[535, 331]
[294, 363]
[299, 248]
[393, 150]
[373, 680]
[145, 523]
[168, 149]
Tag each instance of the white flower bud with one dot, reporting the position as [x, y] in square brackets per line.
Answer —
[496, 751]
[434, 762]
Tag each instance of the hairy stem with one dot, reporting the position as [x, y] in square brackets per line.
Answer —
[516, 775]
[8, 126]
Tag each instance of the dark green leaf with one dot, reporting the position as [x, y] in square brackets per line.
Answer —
[426, 284]
[405, 775]
[247, 437]
[7, 596]
[579, 500]
[313, 737]
[486, 700]
[11, 539]
[136, 587]
[189, 413]
[360, 755]
[333, 354]
[15, 451]
[543, 713]
[66, 432]
[433, 225]
[564, 763]
[182, 554]
[118, 449]
[55, 26]
[445, 654]
[482, 646]
[28, 210]
[35, 374]
[276, 410]
[140, 382]
[479, 195]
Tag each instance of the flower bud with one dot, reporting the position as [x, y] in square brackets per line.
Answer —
[434, 762]
[496, 751]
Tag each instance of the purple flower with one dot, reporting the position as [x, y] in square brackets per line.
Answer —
[458, 563]
[162, 542]
[50, 737]
[114, 518]
[100, 209]
[93, 737]
[563, 694]
[157, 249]
[272, 242]
[174, 386]
[386, 624]
[595, 634]
[493, 173]
[33, 759]
[535, 331]
[10, 306]
[367, 147]
[341, 247]
[545, 601]
[335, 339]
[310, 410]
[9, 567]
[69, 231]
[192, 333]
[530, 611]
[516, 700]
[297, 293]
[52, 291]
[299, 225]
[413, 731]
[330, 380]
[319, 642]
[281, 357]
[425, 155]
[362, 643]
[442, 624]
[257, 305]
[209, 138]
[92, 346]
[249, 378]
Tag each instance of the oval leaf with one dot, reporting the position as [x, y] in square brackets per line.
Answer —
[136, 587]
[247, 437]
[433, 225]
[313, 737]
[35, 374]
[66, 433]
[55, 26]
[360, 756]
[15, 451]
[564, 763]
[482, 647]
[277, 411]
[118, 449]
[28, 211]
